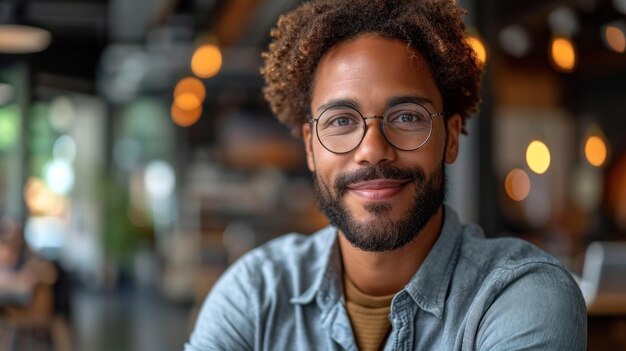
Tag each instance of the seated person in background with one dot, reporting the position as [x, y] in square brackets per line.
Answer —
[25, 279]
[380, 92]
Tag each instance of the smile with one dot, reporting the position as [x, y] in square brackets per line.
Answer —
[377, 189]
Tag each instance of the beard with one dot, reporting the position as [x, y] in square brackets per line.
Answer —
[382, 232]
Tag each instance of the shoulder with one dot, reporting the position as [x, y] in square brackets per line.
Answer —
[267, 275]
[524, 296]
[288, 265]
[293, 246]
[536, 304]
[500, 253]
[289, 254]
[511, 263]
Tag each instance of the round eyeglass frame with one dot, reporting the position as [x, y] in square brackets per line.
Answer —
[382, 126]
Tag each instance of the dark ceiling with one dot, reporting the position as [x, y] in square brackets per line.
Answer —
[82, 29]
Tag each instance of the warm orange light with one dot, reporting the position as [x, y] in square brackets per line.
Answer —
[189, 94]
[19, 39]
[517, 185]
[187, 101]
[595, 151]
[563, 54]
[185, 118]
[538, 157]
[615, 38]
[206, 61]
[479, 48]
[190, 85]
[40, 200]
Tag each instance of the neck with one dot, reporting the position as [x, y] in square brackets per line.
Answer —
[384, 273]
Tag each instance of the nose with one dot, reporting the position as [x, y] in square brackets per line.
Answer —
[374, 147]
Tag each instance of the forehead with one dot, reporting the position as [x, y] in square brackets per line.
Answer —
[371, 69]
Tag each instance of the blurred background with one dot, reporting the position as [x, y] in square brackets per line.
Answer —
[138, 158]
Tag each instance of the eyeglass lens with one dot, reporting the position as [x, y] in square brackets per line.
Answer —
[406, 126]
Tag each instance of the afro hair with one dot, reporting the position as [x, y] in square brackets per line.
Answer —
[302, 36]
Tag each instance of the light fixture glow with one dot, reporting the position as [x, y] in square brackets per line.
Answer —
[563, 54]
[59, 176]
[517, 185]
[159, 179]
[595, 151]
[190, 85]
[614, 38]
[18, 39]
[185, 118]
[187, 101]
[206, 61]
[538, 157]
[189, 94]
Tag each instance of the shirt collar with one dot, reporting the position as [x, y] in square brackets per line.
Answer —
[331, 267]
[428, 287]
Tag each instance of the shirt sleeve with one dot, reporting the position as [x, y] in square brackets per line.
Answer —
[225, 321]
[539, 309]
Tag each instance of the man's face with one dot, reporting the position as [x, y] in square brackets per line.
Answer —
[379, 197]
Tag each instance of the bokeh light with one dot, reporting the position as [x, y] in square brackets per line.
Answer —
[62, 113]
[64, 148]
[190, 85]
[59, 176]
[614, 38]
[479, 48]
[189, 95]
[185, 118]
[517, 185]
[538, 157]
[563, 21]
[9, 127]
[206, 61]
[515, 40]
[19, 39]
[587, 184]
[7, 93]
[596, 151]
[187, 101]
[563, 54]
[40, 200]
[159, 179]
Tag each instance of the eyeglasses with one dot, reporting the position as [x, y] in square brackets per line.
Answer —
[407, 126]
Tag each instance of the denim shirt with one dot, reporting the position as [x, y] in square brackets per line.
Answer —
[470, 293]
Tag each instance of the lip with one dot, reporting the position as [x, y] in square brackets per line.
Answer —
[378, 189]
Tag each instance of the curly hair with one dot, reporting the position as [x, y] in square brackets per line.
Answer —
[302, 36]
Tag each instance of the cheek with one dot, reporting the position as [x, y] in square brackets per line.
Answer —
[428, 158]
[436, 147]
[327, 165]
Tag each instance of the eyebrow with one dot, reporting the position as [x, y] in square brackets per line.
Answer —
[391, 102]
[421, 100]
[338, 102]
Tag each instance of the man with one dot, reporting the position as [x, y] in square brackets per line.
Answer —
[380, 92]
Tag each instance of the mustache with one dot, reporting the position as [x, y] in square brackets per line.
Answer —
[343, 180]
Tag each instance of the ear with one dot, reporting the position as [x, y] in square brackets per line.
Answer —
[454, 126]
[307, 137]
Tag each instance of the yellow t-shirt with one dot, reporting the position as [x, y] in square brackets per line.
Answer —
[369, 316]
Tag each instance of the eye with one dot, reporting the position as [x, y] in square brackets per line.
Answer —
[342, 121]
[407, 117]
